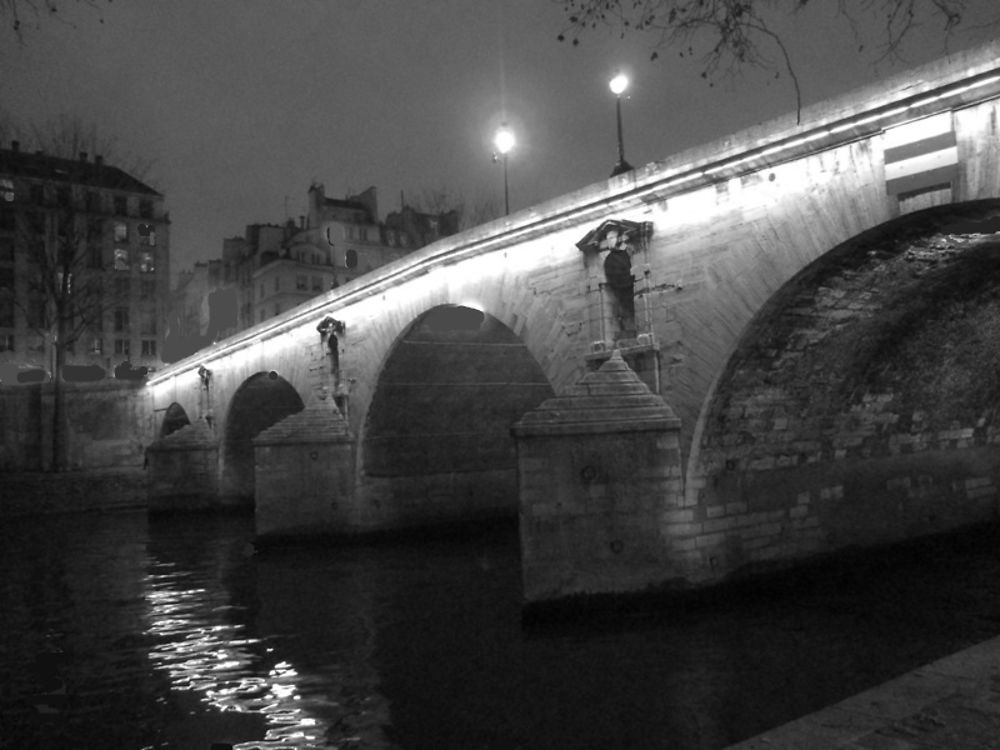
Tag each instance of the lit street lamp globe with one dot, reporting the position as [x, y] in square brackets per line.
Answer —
[504, 140]
[618, 84]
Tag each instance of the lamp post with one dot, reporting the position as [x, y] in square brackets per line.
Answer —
[504, 142]
[618, 84]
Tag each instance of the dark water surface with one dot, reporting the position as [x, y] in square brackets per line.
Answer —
[122, 632]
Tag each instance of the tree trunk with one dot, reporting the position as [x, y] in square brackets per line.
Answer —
[58, 406]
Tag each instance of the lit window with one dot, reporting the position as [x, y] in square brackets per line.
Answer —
[6, 190]
[97, 346]
[121, 231]
[121, 259]
[147, 262]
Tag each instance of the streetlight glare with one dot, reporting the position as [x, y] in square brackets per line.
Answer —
[504, 140]
[618, 84]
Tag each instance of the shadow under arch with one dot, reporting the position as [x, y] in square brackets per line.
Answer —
[860, 374]
[173, 419]
[261, 401]
[436, 443]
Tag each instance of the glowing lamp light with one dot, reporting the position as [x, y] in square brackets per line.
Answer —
[504, 140]
[618, 84]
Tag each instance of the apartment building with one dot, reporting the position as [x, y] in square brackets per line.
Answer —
[85, 242]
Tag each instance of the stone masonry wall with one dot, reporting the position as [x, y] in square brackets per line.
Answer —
[861, 406]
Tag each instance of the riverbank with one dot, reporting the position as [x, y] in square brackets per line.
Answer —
[104, 490]
[950, 703]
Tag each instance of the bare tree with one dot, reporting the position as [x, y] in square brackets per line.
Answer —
[17, 14]
[66, 290]
[742, 32]
[441, 200]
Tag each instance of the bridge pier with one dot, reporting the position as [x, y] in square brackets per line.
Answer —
[598, 469]
[304, 474]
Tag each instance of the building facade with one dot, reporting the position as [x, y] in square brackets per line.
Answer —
[275, 267]
[84, 255]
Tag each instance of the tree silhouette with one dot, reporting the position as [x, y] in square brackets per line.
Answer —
[742, 32]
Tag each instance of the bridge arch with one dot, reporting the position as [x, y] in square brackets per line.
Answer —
[436, 443]
[259, 402]
[868, 385]
[174, 418]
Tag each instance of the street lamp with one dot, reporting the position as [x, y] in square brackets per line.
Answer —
[618, 84]
[504, 142]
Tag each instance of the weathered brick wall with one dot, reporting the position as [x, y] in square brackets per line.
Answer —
[20, 428]
[861, 405]
[107, 425]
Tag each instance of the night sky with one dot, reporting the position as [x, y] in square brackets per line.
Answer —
[241, 105]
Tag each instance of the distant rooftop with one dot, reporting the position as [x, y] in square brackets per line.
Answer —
[41, 166]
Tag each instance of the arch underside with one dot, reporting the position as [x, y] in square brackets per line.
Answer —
[437, 445]
[861, 404]
[261, 401]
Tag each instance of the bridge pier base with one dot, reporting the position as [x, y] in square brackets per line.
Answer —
[183, 470]
[598, 468]
[304, 474]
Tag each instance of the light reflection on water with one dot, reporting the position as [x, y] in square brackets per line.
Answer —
[118, 632]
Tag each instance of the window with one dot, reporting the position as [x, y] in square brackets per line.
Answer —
[97, 346]
[364, 234]
[351, 258]
[277, 283]
[300, 282]
[121, 259]
[277, 308]
[147, 323]
[92, 201]
[261, 317]
[6, 190]
[121, 346]
[147, 235]
[148, 348]
[63, 197]
[146, 209]
[6, 249]
[121, 231]
[147, 289]
[122, 288]
[121, 320]
[8, 221]
[6, 342]
[317, 284]
[95, 230]
[262, 291]
[147, 262]
[37, 194]
[121, 205]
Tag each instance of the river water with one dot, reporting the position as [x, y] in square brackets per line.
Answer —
[118, 631]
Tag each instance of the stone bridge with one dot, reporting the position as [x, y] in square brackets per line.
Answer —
[817, 304]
